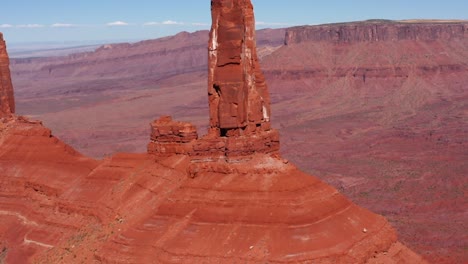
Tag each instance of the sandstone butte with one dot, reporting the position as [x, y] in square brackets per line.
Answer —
[226, 197]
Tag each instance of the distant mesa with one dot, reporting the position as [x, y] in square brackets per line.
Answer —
[379, 30]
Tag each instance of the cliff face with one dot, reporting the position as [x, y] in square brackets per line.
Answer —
[66, 208]
[238, 98]
[7, 100]
[364, 51]
[381, 119]
[377, 31]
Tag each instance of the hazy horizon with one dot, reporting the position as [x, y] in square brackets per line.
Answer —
[28, 21]
[64, 47]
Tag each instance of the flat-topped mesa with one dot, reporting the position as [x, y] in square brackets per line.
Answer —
[238, 96]
[7, 100]
[378, 31]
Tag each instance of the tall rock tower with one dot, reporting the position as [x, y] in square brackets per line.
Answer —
[7, 100]
[238, 96]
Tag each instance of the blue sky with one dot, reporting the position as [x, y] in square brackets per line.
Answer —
[124, 20]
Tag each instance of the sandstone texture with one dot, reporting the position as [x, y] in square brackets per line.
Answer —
[237, 93]
[382, 121]
[181, 203]
[7, 100]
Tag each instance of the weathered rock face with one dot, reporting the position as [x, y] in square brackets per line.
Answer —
[238, 96]
[130, 208]
[7, 101]
[369, 31]
[170, 137]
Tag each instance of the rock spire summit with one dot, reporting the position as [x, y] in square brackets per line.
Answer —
[7, 100]
[238, 95]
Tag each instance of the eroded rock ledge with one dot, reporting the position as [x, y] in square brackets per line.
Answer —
[170, 137]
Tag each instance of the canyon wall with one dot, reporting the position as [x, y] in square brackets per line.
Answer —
[377, 30]
[238, 96]
[378, 110]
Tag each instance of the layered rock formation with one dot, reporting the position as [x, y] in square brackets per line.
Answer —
[224, 198]
[65, 208]
[382, 121]
[7, 101]
[378, 30]
[239, 103]
[170, 137]
[238, 97]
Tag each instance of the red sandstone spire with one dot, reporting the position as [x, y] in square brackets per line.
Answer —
[238, 96]
[237, 93]
[7, 100]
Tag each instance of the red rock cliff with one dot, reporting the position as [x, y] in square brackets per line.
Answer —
[138, 208]
[369, 31]
[238, 96]
[7, 101]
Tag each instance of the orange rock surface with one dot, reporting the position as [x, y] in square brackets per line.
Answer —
[58, 206]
